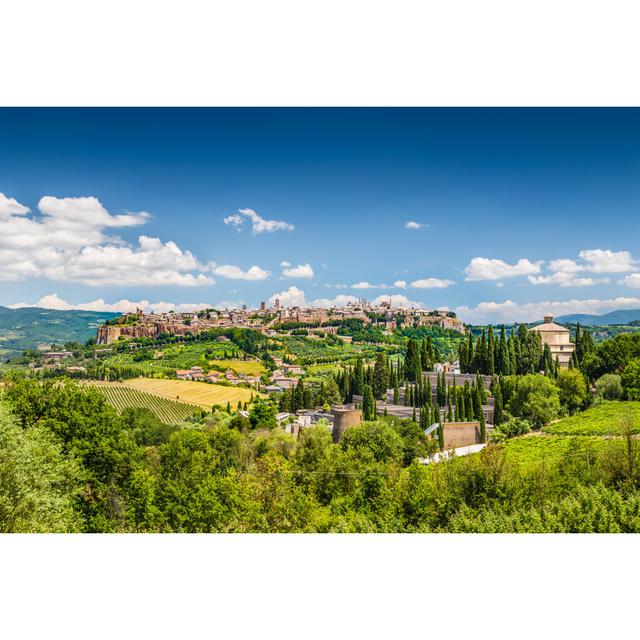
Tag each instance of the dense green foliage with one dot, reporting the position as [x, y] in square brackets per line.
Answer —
[604, 418]
[69, 462]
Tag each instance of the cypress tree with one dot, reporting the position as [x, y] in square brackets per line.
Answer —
[413, 417]
[380, 376]
[483, 428]
[504, 365]
[497, 404]
[441, 436]
[412, 362]
[358, 378]
[491, 348]
[396, 394]
[368, 404]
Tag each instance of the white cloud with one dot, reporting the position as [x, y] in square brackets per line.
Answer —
[509, 311]
[291, 297]
[492, 269]
[397, 300]
[341, 300]
[567, 279]
[53, 301]
[235, 221]
[368, 285]
[400, 284]
[11, 207]
[258, 223]
[606, 261]
[632, 280]
[596, 261]
[236, 273]
[431, 283]
[414, 225]
[68, 244]
[301, 271]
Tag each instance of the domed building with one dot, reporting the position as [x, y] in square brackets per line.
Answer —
[557, 337]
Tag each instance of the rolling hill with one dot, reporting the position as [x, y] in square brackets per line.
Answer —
[622, 316]
[28, 327]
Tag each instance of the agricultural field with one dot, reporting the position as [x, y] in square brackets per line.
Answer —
[171, 357]
[603, 419]
[121, 397]
[307, 352]
[203, 394]
[537, 450]
[245, 367]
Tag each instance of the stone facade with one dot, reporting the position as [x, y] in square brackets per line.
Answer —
[558, 339]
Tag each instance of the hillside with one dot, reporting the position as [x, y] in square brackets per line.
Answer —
[26, 328]
[622, 316]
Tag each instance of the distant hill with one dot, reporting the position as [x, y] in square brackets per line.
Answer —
[623, 316]
[26, 328]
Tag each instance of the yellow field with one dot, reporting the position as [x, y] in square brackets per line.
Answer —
[200, 393]
[246, 367]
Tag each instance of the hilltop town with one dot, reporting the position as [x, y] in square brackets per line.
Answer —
[270, 319]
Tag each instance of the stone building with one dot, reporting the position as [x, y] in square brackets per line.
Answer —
[557, 337]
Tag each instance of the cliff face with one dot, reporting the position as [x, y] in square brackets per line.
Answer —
[112, 333]
[108, 334]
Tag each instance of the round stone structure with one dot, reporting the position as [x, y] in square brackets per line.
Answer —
[343, 418]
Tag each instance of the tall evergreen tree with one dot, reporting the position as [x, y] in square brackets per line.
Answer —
[412, 361]
[368, 404]
[380, 377]
[491, 348]
[497, 404]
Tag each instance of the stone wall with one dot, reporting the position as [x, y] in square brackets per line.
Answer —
[461, 434]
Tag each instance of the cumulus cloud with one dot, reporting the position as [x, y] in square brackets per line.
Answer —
[492, 269]
[236, 273]
[596, 261]
[291, 297]
[368, 285]
[398, 300]
[300, 271]
[341, 300]
[414, 225]
[400, 284]
[258, 223]
[509, 311]
[567, 279]
[431, 283]
[632, 280]
[54, 301]
[11, 207]
[68, 243]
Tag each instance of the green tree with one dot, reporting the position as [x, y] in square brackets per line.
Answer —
[37, 482]
[368, 404]
[631, 379]
[380, 377]
[535, 398]
[412, 361]
[609, 387]
[263, 415]
[573, 389]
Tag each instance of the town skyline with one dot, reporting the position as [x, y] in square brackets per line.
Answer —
[497, 215]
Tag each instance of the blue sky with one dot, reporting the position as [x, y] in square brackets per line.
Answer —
[517, 210]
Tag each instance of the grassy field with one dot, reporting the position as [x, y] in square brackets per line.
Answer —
[603, 419]
[246, 367]
[199, 393]
[528, 451]
[121, 397]
[181, 356]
